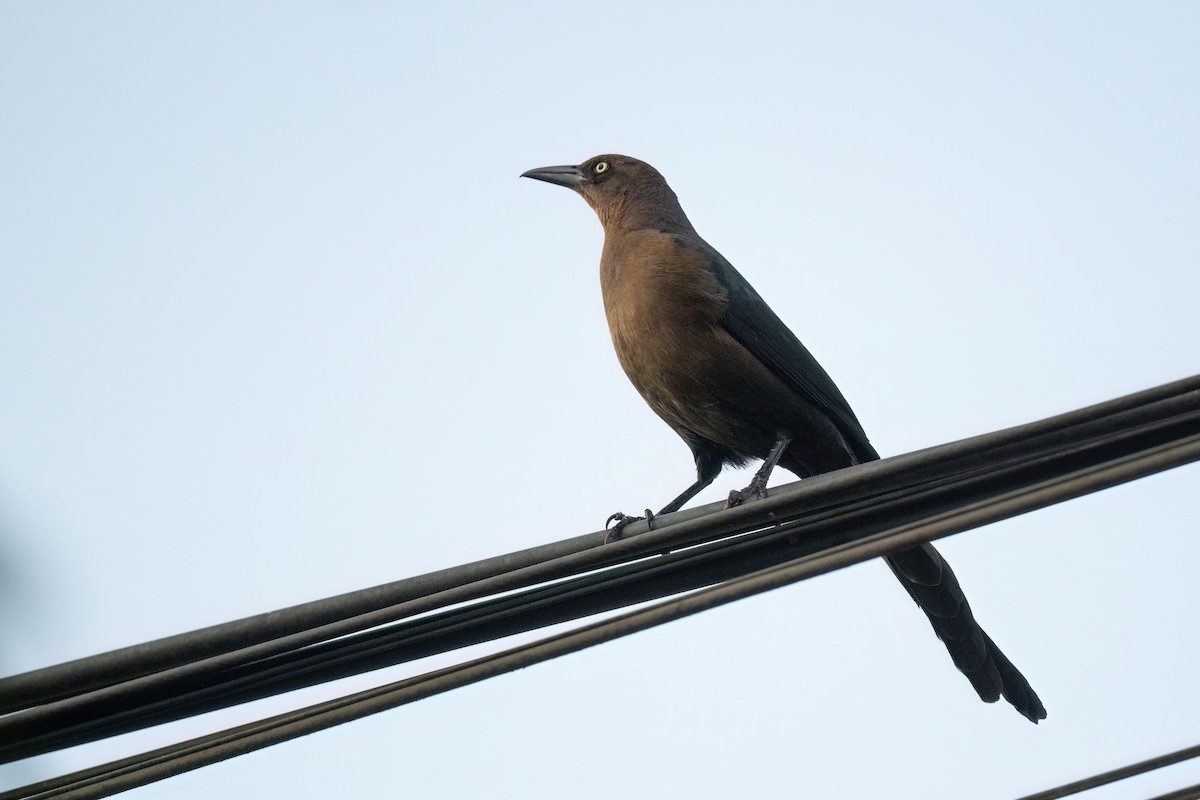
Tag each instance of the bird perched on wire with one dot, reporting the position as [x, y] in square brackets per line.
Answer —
[714, 361]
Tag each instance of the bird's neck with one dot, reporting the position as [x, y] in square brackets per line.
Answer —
[645, 210]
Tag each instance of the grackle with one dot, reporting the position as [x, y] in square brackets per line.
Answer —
[715, 362]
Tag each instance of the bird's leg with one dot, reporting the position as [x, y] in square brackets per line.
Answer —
[757, 490]
[706, 473]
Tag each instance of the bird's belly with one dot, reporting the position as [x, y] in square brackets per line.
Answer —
[705, 385]
[691, 378]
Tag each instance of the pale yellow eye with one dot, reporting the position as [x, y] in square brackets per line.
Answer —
[601, 167]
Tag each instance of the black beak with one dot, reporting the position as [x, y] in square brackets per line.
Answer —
[570, 177]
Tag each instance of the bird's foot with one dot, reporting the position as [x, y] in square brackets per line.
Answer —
[757, 490]
[622, 519]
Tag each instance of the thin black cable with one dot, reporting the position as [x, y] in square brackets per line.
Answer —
[1190, 793]
[1119, 774]
[129, 773]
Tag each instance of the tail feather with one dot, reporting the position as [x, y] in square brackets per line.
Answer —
[932, 585]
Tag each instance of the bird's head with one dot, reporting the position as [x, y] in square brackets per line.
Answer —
[623, 191]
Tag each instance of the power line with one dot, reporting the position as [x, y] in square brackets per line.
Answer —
[1120, 774]
[1190, 793]
[159, 764]
[71, 678]
[819, 513]
[853, 514]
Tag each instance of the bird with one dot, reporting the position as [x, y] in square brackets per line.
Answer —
[712, 359]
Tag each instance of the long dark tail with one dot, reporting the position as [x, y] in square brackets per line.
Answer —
[931, 583]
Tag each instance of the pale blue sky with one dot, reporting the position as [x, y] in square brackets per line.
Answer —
[278, 320]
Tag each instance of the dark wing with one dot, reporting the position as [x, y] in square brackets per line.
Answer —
[755, 326]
